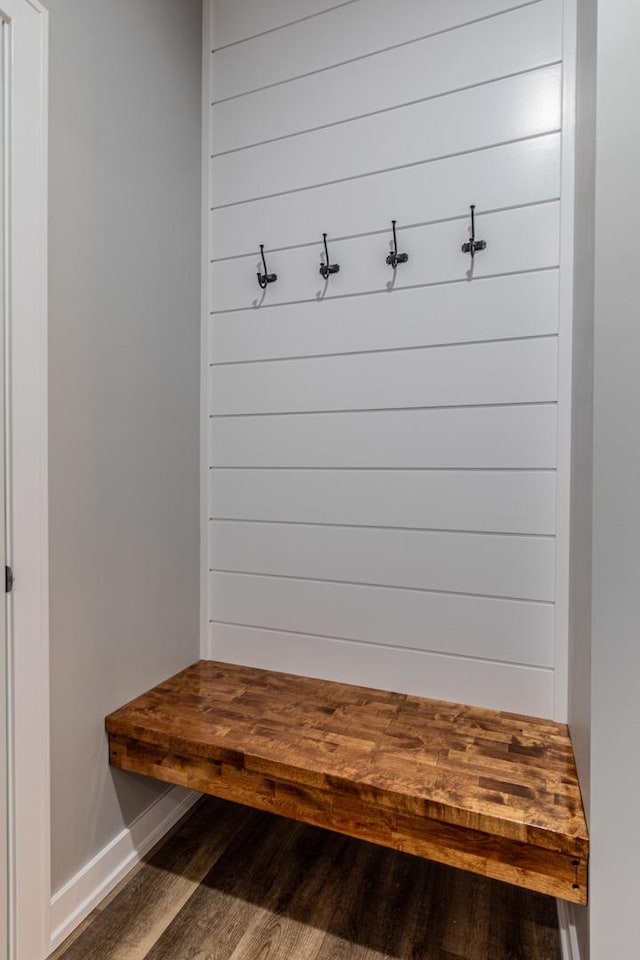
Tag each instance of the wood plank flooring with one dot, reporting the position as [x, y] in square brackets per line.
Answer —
[233, 883]
[490, 792]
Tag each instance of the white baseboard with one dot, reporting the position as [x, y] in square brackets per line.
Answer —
[80, 895]
[568, 935]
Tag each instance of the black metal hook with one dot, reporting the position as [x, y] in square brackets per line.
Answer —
[395, 258]
[265, 278]
[327, 268]
[472, 246]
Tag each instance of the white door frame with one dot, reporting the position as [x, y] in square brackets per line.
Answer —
[27, 490]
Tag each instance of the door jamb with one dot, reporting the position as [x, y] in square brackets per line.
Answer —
[27, 484]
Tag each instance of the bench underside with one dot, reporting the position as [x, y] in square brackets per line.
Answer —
[490, 792]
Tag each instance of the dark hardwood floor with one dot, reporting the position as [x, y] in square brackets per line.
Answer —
[232, 883]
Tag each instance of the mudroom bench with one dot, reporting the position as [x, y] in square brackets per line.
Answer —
[491, 792]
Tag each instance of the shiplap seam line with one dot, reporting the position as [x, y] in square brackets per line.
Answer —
[366, 56]
[383, 231]
[385, 291]
[383, 586]
[376, 173]
[376, 350]
[397, 469]
[382, 526]
[283, 26]
[398, 106]
[383, 646]
[444, 406]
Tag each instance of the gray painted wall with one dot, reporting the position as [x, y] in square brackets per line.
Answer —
[605, 654]
[124, 394]
[615, 771]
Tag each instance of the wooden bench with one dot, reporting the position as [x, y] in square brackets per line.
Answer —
[490, 792]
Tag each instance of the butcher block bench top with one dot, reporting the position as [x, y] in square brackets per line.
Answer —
[487, 791]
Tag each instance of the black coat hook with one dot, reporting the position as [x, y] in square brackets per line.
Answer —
[395, 258]
[327, 268]
[265, 278]
[472, 246]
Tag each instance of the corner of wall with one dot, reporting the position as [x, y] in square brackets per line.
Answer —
[81, 894]
[207, 47]
[569, 939]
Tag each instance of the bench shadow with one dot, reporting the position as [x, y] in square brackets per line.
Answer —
[363, 897]
[232, 883]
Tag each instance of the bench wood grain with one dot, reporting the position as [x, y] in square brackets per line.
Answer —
[490, 792]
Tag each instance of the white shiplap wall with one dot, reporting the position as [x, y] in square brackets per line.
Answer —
[382, 449]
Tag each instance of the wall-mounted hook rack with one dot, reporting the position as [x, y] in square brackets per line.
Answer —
[472, 245]
[395, 258]
[266, 277]
[326, 268]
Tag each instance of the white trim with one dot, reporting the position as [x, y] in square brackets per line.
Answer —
[27, 489]
[565, 361]
[569, 944]
[80, 895]
[207, 46]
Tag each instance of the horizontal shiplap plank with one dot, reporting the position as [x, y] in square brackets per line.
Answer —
[476, 437]
[521, 40]
[237, 20]
[479, 682]
[509, 630]
[518, 240]
[346, 33]
[491, 565]
[503, 502]
[525, 305]
[510, 109]
[507, 371]
[509, 175]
